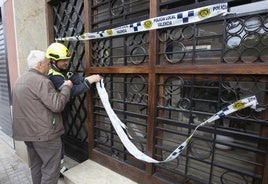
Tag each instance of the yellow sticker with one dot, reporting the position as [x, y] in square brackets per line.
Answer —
[203, 13]
[239, 105]
[83, 36]
[147, 24]
[109, 32]
[188, 140]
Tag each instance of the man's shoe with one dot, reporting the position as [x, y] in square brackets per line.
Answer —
[61, 175]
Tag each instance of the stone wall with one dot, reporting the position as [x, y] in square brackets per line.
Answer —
[30, 26]
[26, 29]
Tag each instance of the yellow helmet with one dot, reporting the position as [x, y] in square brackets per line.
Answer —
[58, 51]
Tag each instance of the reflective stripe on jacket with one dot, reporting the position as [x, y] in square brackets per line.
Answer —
[80, 85]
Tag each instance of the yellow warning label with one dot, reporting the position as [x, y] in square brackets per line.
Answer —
[147, 24]
[203, 13]
[109, 32]
[239, 105]
[83, 36]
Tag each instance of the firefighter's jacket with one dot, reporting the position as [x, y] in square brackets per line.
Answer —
[37, 108]
[80, 85]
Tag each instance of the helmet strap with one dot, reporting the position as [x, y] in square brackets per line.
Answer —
[54, 65]
[61, 70]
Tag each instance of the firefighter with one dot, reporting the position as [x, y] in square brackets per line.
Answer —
[59, 56]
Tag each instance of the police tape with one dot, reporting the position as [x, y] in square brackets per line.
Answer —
[121, 128]
[176, 19]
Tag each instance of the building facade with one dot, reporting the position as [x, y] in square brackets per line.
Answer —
[161, 83]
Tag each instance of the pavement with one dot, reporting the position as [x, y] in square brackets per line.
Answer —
[13, 170]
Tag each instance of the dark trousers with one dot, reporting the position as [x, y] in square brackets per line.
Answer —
[44, 160]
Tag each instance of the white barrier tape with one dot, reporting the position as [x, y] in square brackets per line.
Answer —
[133, 150]
[176, 19]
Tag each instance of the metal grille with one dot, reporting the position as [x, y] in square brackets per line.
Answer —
[246, 40]
[5, 120]
[129, 97]
[230, 150]
[107, 14]
[130, 50]
[68, 20]
[239, 40]
[226, 151]
[119, 51]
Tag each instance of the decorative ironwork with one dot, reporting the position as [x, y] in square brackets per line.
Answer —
[222, 150]
[68, 20]
[246, 38]
[128, 96]
[108, 14]
[228, 149]
[245, 42]
[128, 50]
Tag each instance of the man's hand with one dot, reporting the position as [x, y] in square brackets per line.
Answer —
[93, 78]
[68, 83]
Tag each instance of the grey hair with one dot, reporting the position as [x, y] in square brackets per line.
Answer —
[34, 57]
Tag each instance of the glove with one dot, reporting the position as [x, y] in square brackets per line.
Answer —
[93, 78]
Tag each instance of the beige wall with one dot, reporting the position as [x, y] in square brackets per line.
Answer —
[25, 27]
[30, 26]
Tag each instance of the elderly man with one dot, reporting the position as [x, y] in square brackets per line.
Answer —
[37, 118]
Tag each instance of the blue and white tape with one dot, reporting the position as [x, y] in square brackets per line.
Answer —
[119, 126]
[176, 19]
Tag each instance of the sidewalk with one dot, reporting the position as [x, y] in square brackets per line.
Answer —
[13, 170]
